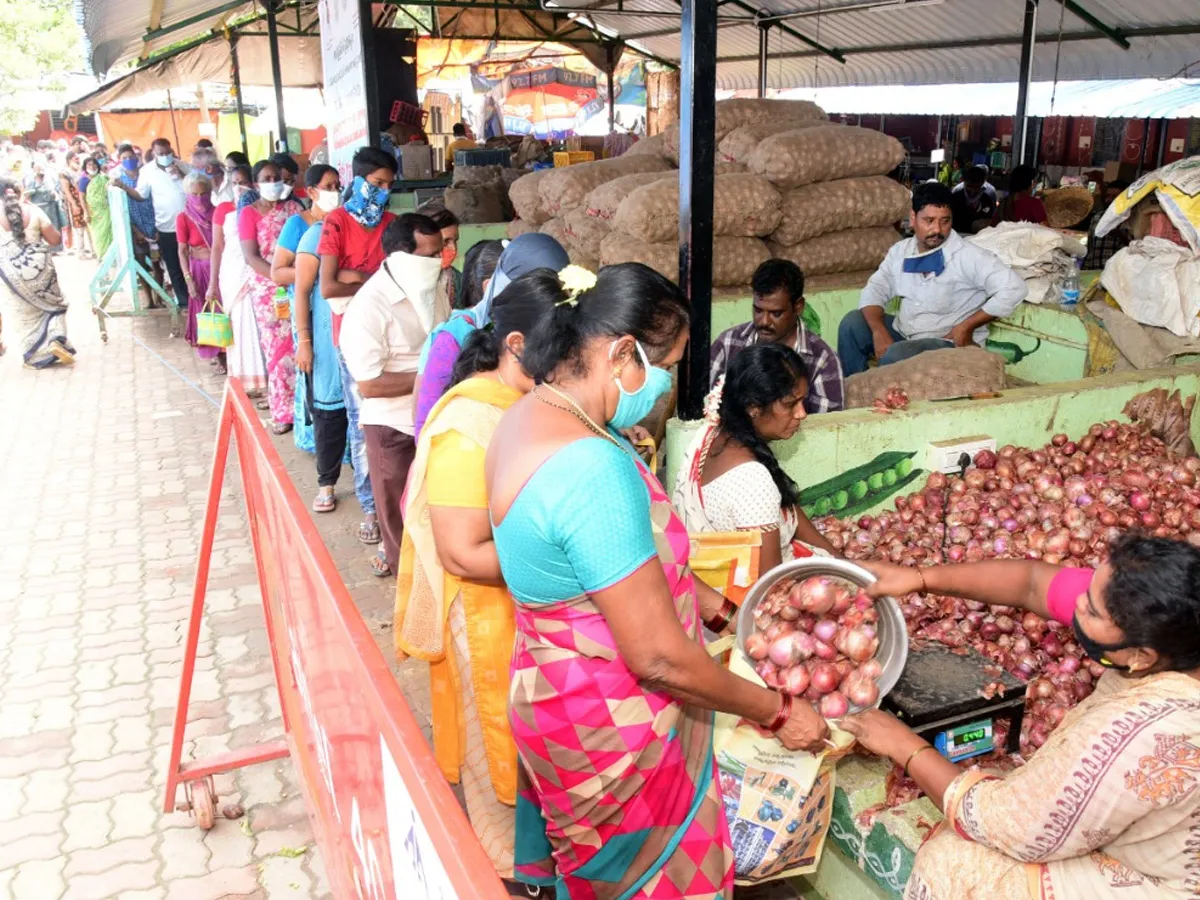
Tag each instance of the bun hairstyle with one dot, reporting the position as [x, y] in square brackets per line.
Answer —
[517, 309]
[628, 298]
[12, 209]
[758, 376]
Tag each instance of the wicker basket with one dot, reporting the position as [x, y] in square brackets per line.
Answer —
[1067, 206]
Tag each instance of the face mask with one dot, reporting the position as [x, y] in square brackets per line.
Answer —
[448, 256]
[634, 406]
[327, 201]
[271, 190]
[285, 191]
[166, 160]
[1094, 649]
[129, 165]
[239, 189]
[418, 277]
[367, 202]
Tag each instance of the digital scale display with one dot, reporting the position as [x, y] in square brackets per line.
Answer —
[965, 741]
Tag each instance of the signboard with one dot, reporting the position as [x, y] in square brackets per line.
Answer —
[347, 127]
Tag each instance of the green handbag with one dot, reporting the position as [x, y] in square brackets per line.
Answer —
[213, 328]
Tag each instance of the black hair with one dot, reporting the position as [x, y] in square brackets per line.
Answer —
[11, 195]
[778, 275]
[368, 159]
[460, 130]
[401, 234]
[284, 161]
[443, 218]
[259, 166]
[125, 148]
[160, 142]
[517, 308]
[975, 175]
[628, 298]
[1153, 596]
[930, 193]
[1022, 178]
[205, 143]
[758, 376]
[314, 174]
[239, 158]
[479, 265]
[245, 170]
[93, 161]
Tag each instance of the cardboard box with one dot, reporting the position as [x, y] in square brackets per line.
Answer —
[1119, 171]
[416, 162]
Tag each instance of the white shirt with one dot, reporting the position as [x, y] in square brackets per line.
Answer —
[165, 190]
[930, 305]
[381, 332]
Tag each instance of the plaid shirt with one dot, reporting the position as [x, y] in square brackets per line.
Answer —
[826, 389]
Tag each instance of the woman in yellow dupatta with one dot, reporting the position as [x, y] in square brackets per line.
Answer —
[452, 608]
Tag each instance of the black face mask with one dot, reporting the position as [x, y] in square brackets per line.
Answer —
[1094, 649]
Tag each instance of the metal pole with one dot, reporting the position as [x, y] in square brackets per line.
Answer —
[610, 55]
[1020, 124]
[1145, 146]
[1162, 142]
[237, 92]
[174, 126]
[276, 72]
[763, 29]
[697, 125]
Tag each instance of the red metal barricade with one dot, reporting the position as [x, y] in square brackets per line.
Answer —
[387, 825]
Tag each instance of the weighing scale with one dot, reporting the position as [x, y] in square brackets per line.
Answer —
[938, 696]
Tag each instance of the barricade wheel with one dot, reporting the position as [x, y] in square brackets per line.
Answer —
[203, 798]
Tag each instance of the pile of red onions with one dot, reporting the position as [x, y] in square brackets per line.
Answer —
[815, 638]
[1064, 503]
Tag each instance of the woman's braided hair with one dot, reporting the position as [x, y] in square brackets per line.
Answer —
[11, 193]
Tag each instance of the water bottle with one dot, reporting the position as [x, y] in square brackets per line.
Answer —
[283, 306]
[1070, 286]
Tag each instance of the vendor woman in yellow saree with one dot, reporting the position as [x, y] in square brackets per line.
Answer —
[1109, 806]
[452, 608]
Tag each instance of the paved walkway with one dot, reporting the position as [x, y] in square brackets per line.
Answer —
[103, 471]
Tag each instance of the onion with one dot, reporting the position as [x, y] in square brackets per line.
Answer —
[768, 672]
[822, 650]
[795, 680]
[756, 647]
[814, 595]
[784, 651]
[825, 677]
[985, 459]
[825, 630]
[860, 690]
[834, 705]
[872, 668]
[1139, 501]
[859, 644]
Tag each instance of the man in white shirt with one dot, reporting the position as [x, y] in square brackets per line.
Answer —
[382, 332]
[949, 291]
[161, 182]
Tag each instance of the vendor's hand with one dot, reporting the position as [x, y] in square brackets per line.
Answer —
[882, 340]
[881, 733]
[961, 335]
[891, 580]
[304, 356]
[804, 729]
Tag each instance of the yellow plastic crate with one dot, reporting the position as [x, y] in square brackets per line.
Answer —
[571, 157]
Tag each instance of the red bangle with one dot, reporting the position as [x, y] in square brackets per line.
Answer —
[785, 713]
[718, 622]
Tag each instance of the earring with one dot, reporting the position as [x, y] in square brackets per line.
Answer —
[617, 371]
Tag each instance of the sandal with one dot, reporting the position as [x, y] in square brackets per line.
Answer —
[279, 427]
[379, 566]
[325, 501]
[369, 533]
[262, 404]
[220, 369]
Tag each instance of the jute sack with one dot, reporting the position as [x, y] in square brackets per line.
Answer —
[734, 258]
[840, 251]
[737, 113]
[651, 146]
[743, 206]
[591, 263]
[739, 145]
[557, 229]
[525, 197]
[826, 206]
[584, 233]
[604, 200]
[794, 158]
[518, 227]
[476, 204]
[565, 189]
[930, 376]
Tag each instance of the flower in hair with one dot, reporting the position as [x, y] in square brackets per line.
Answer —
[576, 280]
[712, 402]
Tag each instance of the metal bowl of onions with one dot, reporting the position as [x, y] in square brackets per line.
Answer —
[799, 645]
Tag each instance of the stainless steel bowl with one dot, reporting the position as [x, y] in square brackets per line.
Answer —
[893, 636]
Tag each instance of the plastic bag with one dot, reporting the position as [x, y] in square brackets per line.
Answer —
[1177, 189]
[1156, 282]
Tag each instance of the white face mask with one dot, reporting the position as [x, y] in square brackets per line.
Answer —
[418, 277]
[271, 190]
[286, 191]
[328, 201]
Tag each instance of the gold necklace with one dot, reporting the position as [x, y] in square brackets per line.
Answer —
[574, 409]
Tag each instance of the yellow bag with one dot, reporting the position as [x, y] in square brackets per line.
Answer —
[213, 328]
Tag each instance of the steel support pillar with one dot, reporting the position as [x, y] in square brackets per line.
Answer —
[764, 29]
[276, 73]
[1020, 120]
[697, 127]
[610, 65]
[237, 92]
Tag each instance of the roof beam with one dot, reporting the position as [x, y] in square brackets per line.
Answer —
[155, 33]
[1113, 34]
[152, 24]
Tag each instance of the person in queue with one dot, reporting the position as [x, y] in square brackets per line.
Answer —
[95, 197]
[1019, 205]
[260, 222]
[382, 333]
[778, 289]
[730, 479]
[234, 159]
[479, 264]
[161, 182]
[949, 291]
[194, 230]
[141, 214]
[523, 255]
[447, 552]
[289, 171]
[451, 281]
[76, 235]
[973, 207]
[319, 181]
[1106, 807]
[608, 615]
[230, 276]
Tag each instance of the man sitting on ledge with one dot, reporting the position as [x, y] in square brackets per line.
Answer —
[949, 291]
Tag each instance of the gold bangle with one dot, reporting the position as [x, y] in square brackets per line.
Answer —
[914, 755]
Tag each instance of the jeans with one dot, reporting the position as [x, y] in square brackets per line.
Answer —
[169, 246]
[856, 344]
[358, 443]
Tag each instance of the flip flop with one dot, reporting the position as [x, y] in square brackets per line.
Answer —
[325, 501]
[279, 427]
[369, 533]
[379, 566]
[262, 404]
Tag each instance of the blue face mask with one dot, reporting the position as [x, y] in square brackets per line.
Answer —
[633, 406]
[367, 202]
[130, 165]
